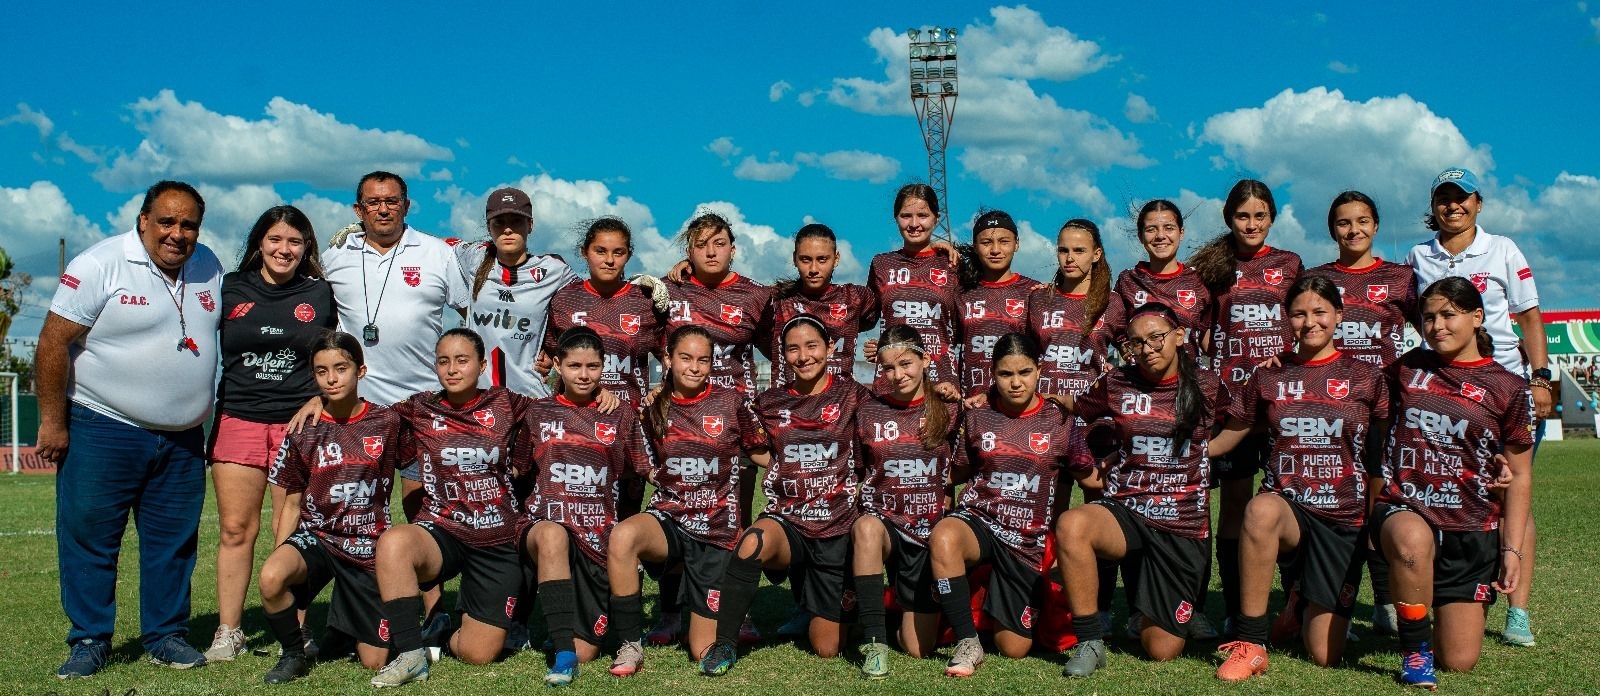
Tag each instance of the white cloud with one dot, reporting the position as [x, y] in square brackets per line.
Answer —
[1340, 67]
[292, 143]
[327, 215]
[772, 170]
[82, 152]
[778, 89]
[808, 97]
[853, 165]
[1020, 44]
[1595, 22]
[723, 148]
[516, 161]
[439, 175]
[27, 115]
[1554, 227]
[1138, 109]
[31, 220]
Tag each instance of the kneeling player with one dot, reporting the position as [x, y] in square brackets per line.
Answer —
[337, 473]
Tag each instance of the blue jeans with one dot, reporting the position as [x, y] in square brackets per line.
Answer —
[112, 468]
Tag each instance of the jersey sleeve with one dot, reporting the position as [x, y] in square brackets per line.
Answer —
[752, 435]
[458, 288]
[1516, 423]
[1521, 293]
[866, 302]
[1094, 404]
[1381, 402]
[1077, 458]
[1247, 405]
[288, 469]
[639, 457]
[85, 287]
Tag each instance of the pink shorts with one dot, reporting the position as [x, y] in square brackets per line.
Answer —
[245, 442]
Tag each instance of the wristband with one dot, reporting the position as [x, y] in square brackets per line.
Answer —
[1513, 552]
[1540, 382]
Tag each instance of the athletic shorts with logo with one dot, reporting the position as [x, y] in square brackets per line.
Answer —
[703, 565]
[591, 588]
[1327, 563]
[816, 572]
[1465, 564]
[491, 576]
[1013, 584]
[1164, 575]
[910, 569]
[354, 607]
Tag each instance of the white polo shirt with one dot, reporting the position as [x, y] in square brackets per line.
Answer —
[415, 280]
[129, 365]
[1501, 274]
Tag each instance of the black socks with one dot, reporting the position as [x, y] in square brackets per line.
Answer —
[405, 623]
[738, 593]
[869, 608]
[558, 598]
[955, 600]
[285, 626]
[628, 614]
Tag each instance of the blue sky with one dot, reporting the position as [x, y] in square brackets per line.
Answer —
[781, 113]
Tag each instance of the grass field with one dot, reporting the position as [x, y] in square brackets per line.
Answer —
[1566, 661]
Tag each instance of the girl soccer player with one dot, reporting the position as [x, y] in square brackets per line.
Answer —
[579, 453]
[847, 309]
[906, 443]
[994, 299]
[622, 313]
[810, 487]
[1163, 278]
[336, 474]
[699, 434]
[1015, 446]
[1450, 542]
[1155, 513]
[1325, 413]
[915, 287]
[1069, 320]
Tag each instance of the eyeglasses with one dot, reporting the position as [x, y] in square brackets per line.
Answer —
[379, 203]
[1153, 342]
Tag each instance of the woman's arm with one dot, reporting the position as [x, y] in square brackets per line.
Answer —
[290, 518]
[1230, 437]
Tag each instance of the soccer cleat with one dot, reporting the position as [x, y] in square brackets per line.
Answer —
[1201, 628]
[517, 638]
[87, 657]
[1416, 669]
[874, 660]
[1519, 631]
[407, 667]
[226, 644]
[748, 634]
[175, 652]
[563, 670]
[1245, 660]
[436, 635]
[630, 657]
[964, 662]
[1385, 621]
[719, 658]
[290, 667]
[666, 630]
[1087, 657]
[797, 626]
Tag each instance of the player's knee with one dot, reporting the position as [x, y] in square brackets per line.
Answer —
[1325, 658]
[1162, 651]
[1015, 650]
[751, 544]
[272, 580]
[1458, 660]
[238, 530]
[867, 533]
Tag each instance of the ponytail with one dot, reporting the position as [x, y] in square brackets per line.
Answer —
[1094, 303]
[482, 273]
[1485, 342]
[1191, 400]
[1216, 262]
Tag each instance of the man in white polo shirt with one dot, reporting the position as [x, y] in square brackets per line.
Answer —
[1501, 274]
[391, 284]
[127, 364]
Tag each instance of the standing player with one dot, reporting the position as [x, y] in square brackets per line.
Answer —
[511, 290]
[846, 308]
[468, 522]
[1069, 320]
[623, 314]
[915, 287]
[1249, 280]
[1325, 413]
[1163, 278]
[1156, 512]
[1451, 543]
[336, 473]
[1501, 274]
[579, 454]
[699, 434]
[994, 299]
[906, 439]
[1014, 447]
[810, 488]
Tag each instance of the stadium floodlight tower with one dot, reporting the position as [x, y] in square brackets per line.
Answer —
[933, 96]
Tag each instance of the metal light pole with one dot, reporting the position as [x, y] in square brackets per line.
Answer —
[933, 96]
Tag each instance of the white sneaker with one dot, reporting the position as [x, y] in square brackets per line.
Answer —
[226, 644]
[406, 667]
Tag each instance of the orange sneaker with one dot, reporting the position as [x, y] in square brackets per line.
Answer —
[1245, 660]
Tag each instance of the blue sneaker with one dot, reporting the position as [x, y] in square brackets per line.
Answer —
[1416, 669]
[564, 670]
[88, 656]
[176, 652]
[1519, 630]
[719, 659]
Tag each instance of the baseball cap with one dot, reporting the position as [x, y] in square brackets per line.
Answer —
[993, 219]
[1460, 176]
[508, 201]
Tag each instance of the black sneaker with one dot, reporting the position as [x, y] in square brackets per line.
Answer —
[290, 667]
[719, 659]
[88, 656]
[176, 652]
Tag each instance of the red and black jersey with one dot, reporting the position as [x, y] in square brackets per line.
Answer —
[920, 291]
[1252, 318]
[629, 329]
[733, 314]
[1450, 420]
[845, 309]
[902, 481]
[579, 454]
[1015, 460]
[1182, 290]
[1074, 353]
[1157, 477]
[811, 482]
[345, 468]
[1378, 302]
[1319, 415]
[467, 462]
[697, 464]
[989, 311]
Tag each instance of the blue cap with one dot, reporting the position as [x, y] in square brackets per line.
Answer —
[1460, 176]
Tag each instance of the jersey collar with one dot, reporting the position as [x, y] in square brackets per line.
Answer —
[1144, 267]
[358, 415]
[731, 279]
[1478, 247]
[697, 398]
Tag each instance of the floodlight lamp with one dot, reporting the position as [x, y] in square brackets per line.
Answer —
[916, 89]
[949, 87]
[951, 32]
[934, 34]
[913, 33]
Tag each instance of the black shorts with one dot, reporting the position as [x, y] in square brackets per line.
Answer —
[354, 607]
[491, 577]
[1327, 563]
[1013, 584]
[591, 587]
[1164, 574]
[816, 572]
[703, 565]
[1249, 457]
[910, 569]
[1465, 564]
